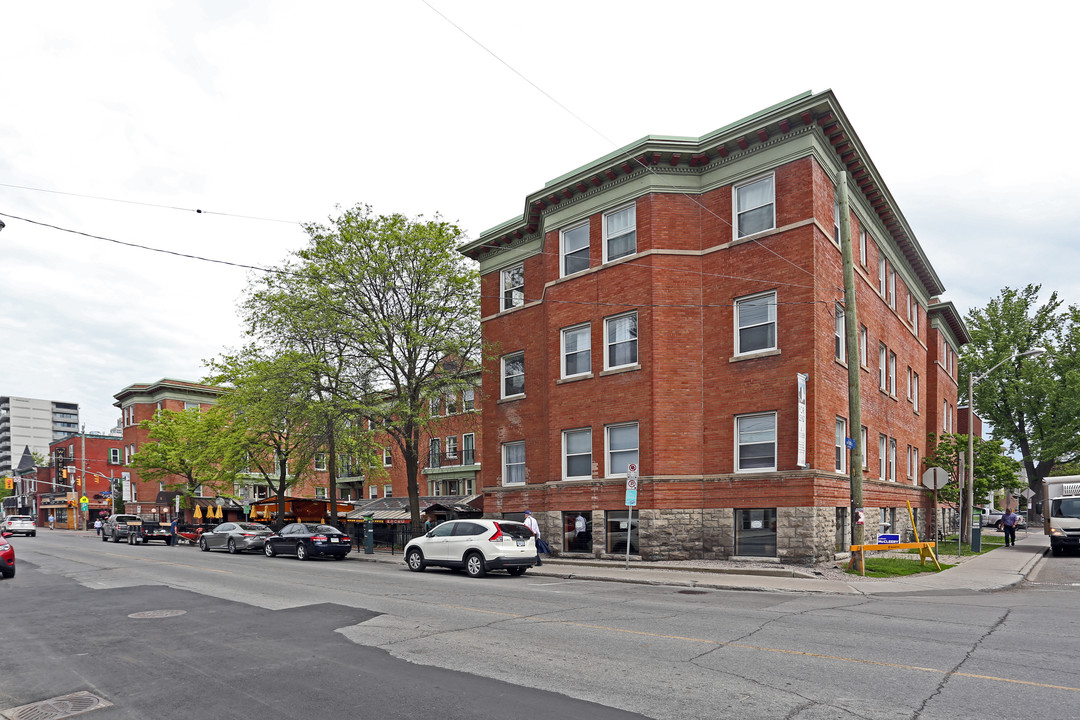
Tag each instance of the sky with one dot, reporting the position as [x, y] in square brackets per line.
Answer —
[121, 119]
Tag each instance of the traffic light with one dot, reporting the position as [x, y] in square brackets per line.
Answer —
[71, 503]
[9, 484]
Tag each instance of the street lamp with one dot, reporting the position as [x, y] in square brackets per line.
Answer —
[972, 379]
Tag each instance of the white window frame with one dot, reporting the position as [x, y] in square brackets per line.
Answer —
[608, 451]
[451, 447]
[771, 320]
[910, 465]
[608, 343]
[737, 225]
[865, 449]
[192, 406]
[562, 247]
[387, 457]
[320, 461]
[840, 333]
[566, 454]
[909, 374]
[739, 444]
[587, 327]
[881, 273]
[503, 376]
[864, 339]
[883, 450]
[450, 403]
[467, 445]
[468, 399]
[892, 459]
[434, 405]
[836, 216]
[506, 465]
[862, 247]
[915, 393]
[516, 292]
[320, 493]
[915, 477]
[387, 490]
[892, 373]
[883, 375]
[892, 288]
[840, 456]
[632, 207]
[915, 315]
[114, 456]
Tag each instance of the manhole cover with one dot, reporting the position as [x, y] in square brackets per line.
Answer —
[691, 592]
[64, 706]
[151, 614]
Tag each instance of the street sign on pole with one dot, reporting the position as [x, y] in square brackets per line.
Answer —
[935, 478]
[631, 501]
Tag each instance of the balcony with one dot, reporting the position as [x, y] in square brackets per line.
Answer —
[451, 460]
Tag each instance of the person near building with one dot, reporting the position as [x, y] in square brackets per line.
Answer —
[52, 521]
[429, 523]
[1008, 523]
[97, 526]
[172, 532]
[530, 522]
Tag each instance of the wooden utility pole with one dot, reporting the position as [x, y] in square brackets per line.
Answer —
[851, 327]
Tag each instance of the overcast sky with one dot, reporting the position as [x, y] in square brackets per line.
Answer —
[268, 114]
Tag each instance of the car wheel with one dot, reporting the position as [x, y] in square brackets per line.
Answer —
[8, 573]
[516, 571]
[1058, 549]
[301, 551]
[130, 539]
[415, 560]
[115, 537]
[474, 565]
[104, 537]
[232, 547]
[268, 550]
[33, 534]
[203, 546]
[339, 557]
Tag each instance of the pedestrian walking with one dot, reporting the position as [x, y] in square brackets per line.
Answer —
[97, 526]
[52, 521]
[1008, 523]
[530, 522]
[172, 533]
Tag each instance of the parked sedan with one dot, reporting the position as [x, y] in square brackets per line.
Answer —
[7, 556]
[476, 546]
[308, 540]
[236, 537]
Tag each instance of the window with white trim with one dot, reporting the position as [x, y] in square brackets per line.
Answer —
[881, 274]
[840, 333]
[387, 457]
[882, 373]
[864, 337]
[621, 340]
[450, 400]
[909, 376]
[320, 461]
[755, 323]
[320, 493]
[915, 391]
[468, 449]
[917, 473]
[373, 491]
[114, 456]
[433, 405]
[513, 459]
[388, 490]
[468, 397]
[577, 454]
[621, 443]
[862, 247]
[513, 374]
[841, 445]
[192, 406]
[892, 288]
[892, 459]
[892, 373]
[620, 233]
[451, 446]
[915, 316]
[755, 206]
[755, 439]
[574, 249]
[910, 463]
[836, 216]
[512, 289]
[883, 450]
[863, 448]
[577, 350]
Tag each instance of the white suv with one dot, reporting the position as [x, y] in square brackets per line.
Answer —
[23, 524]
[475, 546]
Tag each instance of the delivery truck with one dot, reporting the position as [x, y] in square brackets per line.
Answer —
[1060, 509]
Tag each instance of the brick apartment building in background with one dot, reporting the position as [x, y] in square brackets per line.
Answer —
[91, 460]
[670, 304]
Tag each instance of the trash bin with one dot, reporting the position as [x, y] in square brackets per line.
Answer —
[976, 533]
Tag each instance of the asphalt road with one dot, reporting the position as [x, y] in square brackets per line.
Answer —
[269, 638]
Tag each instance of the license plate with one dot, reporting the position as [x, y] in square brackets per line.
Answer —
[333, 539]
[521, 543]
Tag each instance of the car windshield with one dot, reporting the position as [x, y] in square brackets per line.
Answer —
[1066, 507]
[515, 530]
[251, 526]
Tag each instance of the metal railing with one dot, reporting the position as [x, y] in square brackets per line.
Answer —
[452, 459]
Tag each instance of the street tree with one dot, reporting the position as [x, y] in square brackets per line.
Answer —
[187, 449]
[994, 470]
[274, 427]
[1031, 403]
[404, 302]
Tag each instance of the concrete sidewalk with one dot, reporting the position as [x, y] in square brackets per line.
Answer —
[1000, 569]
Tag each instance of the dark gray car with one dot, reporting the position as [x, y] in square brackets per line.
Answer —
[235, 537]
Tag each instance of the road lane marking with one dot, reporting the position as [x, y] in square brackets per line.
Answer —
[760, 648]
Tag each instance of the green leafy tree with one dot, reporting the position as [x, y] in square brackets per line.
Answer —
[1031, 403]
[186, 451]
[994, 470]
[274, 423]
[403, 303]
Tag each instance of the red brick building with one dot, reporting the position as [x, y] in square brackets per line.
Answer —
[662, 307]
[91, 460]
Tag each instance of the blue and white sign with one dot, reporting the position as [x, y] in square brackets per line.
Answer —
[631, 484]
[888, 539]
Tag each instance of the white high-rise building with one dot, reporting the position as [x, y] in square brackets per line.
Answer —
[35, 423]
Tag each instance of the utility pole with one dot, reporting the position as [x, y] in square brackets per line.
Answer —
[851, 331]
[81, 523]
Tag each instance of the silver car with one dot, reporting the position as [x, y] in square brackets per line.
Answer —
[21, 524]
[235, 537]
